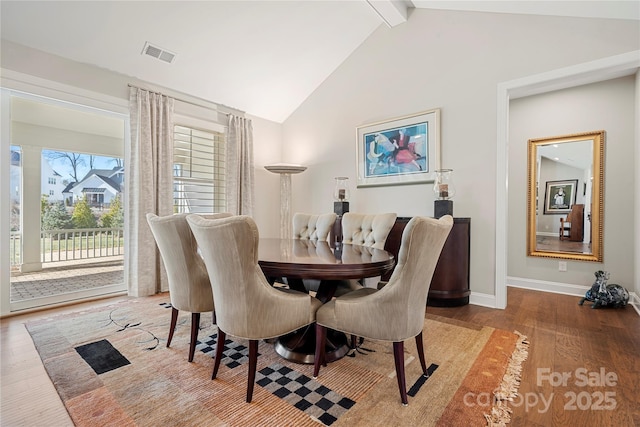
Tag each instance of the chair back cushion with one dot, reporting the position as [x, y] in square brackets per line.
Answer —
[247, 306]
[366, 229]
[312, 226]
[189, 287]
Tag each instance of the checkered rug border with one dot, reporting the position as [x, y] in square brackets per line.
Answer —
[234, 354]
[305, 393]
[295, 388]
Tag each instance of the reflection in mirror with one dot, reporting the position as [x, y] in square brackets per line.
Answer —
[565, 196]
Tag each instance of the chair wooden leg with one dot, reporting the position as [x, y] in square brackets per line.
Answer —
[195, 326]
[172, 326]
[219, 349]
[420, 348]
[321, 338]
[398, 356]
[253, 361]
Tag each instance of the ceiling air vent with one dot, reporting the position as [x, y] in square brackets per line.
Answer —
[158, 53]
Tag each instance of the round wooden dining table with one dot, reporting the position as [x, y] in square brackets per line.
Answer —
[295, 260]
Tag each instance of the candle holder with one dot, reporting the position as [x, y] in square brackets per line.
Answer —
[444, 190]
[341, 192]
[340, 207]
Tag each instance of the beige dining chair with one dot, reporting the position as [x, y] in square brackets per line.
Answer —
[370, 230]
[313, 226]
[189, 287]
[247, 306]
[396, 312]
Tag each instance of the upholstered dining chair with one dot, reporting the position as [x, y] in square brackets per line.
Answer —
[396, 312]
[247, 306]
[367, 229]
[370, 230]
[312, 226]
[189, 287]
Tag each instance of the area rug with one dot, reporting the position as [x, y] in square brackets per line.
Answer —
[111, 367]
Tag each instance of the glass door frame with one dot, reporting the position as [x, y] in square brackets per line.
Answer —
[67, 99]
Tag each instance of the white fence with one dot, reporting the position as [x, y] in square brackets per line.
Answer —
[72, 244]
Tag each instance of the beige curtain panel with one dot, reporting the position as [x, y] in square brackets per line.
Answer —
[148, 188]
[239, 166]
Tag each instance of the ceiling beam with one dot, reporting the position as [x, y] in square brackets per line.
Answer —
[392, 12]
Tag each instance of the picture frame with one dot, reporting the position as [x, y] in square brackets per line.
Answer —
[560, 196]
[402, 150]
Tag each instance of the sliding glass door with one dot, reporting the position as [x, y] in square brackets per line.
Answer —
[65, 201]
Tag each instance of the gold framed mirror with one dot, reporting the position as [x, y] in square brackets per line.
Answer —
[565, 196]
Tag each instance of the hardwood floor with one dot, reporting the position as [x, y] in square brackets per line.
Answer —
[564, 337]
[576, 340]
[554, 244]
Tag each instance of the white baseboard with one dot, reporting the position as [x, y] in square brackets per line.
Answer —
[485, 300]
[547, 234]
[562, 288]
[545, 286]
[488, 300]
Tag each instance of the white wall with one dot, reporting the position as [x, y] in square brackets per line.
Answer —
[607, 105]
[450, 60]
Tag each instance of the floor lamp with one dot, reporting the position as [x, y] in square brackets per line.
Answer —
[285, 170]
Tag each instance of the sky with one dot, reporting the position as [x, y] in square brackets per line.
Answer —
[63, 167]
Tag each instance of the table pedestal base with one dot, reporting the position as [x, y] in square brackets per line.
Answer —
[299, 346]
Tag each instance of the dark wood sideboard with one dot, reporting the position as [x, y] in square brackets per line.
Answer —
[450, 283]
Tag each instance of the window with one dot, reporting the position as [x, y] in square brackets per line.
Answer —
[51, 193]
[198, 171]
[52, 181]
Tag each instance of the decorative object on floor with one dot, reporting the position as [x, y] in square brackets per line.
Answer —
[603, 295]
[445, 190]
[285, 170]
[157, 388]
[403, 150]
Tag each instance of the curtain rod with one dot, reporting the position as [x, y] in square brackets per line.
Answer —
[188, 102]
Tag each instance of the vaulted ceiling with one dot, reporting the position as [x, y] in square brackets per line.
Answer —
[263, 57]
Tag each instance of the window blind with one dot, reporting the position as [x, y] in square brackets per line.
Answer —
[198, 170]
